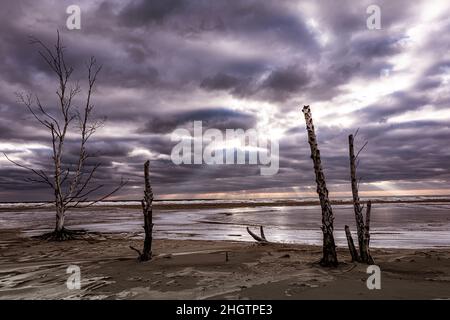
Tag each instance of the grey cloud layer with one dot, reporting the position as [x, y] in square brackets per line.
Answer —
[168, 63]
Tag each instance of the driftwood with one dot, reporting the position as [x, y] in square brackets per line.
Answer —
[329, 258]
[148, 217]
[260, 239]
[361, 227]
[351, 244]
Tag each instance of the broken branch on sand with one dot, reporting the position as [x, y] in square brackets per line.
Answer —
[260, 239]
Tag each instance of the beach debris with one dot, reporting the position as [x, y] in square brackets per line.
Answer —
[288, 293]
[260, 239]
[362, 228]
[148, 216]
[329, 258]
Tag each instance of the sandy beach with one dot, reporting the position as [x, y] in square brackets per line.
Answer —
[187, 269]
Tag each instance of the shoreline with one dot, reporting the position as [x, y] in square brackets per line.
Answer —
[158, 204]
[394, 225]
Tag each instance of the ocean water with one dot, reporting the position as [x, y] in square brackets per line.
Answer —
[393, 225]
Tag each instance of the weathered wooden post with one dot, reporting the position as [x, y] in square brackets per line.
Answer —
[148, 216]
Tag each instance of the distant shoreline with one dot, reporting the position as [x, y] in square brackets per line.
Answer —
[270, 204]
[220, 203]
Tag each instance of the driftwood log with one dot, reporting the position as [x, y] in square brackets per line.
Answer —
[260, 239]
[329, 258]
[148, 217]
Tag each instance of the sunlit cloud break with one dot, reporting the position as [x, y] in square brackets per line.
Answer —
[246, 65]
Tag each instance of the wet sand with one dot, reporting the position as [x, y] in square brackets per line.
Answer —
[187, 269]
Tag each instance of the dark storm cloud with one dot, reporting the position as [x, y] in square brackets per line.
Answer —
[169, 63]
[287, 80]
[278, 84]
[376, 47]
[142, 12]
[394, 104]
[248, 18]
[391, 153]
[222, 81]
[218, 118]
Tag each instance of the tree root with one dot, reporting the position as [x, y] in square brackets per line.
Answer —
[62, 235]
[141, 256]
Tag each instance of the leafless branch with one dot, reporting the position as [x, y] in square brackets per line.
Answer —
[362, 148]
[80, 203]
[41, 174]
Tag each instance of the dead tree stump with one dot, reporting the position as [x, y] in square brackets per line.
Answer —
[148, 217]
[361, 228]
[329, 258]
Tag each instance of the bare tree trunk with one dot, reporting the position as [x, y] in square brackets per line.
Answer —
[71, 189]
[356, 203]
[362, 230]
[351, 244]
[367, 224]
[148, 214]
[148, 217]
[60, 217]
[367, 233]
[329, 248]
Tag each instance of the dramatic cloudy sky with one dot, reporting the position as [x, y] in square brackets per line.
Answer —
[239, 64]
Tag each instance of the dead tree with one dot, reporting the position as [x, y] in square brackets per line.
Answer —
[260, 239]
[329, 258]
[361, 228]
[72, 183]
[148, 217]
